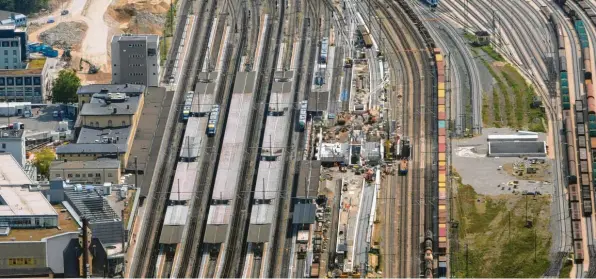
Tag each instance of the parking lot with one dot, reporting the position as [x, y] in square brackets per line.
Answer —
[493, 175]
[42, 120]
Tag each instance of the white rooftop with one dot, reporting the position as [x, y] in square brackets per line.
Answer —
[16, 201]
[176, 215]
[11, 173]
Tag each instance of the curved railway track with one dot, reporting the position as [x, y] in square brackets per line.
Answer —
[417, 63]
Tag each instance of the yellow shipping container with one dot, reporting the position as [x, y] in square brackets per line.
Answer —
[441, 108]
[442, 185]
[441, 157]
[441, 178]
[442, 207]
[442, 93]
[442, 226]
[439, 57]
[441, 86]
[442, 239]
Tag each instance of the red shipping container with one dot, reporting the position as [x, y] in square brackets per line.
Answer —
[443, 245]
[442, 231]
[441, 131]
[441, 78]
[441, 116]
[441, 139]
[441, 101]
[442, 147]
[442, 201]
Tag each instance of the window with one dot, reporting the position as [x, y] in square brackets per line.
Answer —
[14, 44]
[14, 52]
[10, 81]
[109, 174]
[82, 175]
[109, 123]
[123, 123]
[36, 80]
[96, 124]
[69, 175]
[5, 60]
[1, 81]
[14, 60]
[4, 145]
[27, 80]
[89, 175]
[6, 52]
[77, 175]
[57, 175]
[98, 175]
[19, 80]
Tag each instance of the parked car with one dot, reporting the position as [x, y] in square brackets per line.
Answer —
[51, 20]
[64, 12]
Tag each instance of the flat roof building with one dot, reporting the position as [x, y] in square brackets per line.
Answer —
[21, 208]
[11, 173]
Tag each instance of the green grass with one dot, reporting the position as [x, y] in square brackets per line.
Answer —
[485, 110]
[566, 270]
[524, 95]
[497, 108]
[490, 51]
[498, 244]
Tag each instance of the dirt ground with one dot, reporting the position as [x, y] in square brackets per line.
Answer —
[126, 14]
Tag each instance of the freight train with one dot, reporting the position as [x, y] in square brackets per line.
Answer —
[575, 120]
[442, 162]
[302, 116]
[365, 36]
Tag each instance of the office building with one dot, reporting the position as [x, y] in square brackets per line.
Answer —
[135, 59]
[12, 18]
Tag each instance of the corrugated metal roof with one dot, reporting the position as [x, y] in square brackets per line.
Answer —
[219, 214]
[184, 181]
[304, 213]
[195, 131]
[308, 182]
[215, 234]
[318, 101]
[258, 233]
[262, 214]
[176, 215]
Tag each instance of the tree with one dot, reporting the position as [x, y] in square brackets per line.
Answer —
[64, 88]
[43, 159]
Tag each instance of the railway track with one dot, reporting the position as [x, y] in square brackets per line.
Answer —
[145, 267]
[417, 65]
[235, 248]
[281, 252]
[203, 184]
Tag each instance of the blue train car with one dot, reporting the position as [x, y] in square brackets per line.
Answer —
[213, 119]
[432, 3]
[187, 105]
[324, 47]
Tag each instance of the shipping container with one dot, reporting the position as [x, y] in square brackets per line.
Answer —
[576, 227]
[583, 154]
[575, 211]
[583, 167]
[442, 147]
[581, 130]
[578, 251]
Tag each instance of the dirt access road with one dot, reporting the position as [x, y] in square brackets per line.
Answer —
[95, 44]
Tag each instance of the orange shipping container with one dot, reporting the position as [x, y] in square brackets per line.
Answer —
[441, 157]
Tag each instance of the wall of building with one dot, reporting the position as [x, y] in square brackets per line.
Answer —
[89, 175]
[55, 247]
[10, 53]
[91, 157]
[22, 88]
[14, 146]
[105, 121]
[22, 254]
[84, 99]
[135, 61]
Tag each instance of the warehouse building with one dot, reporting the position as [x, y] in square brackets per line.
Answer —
[517, 149]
